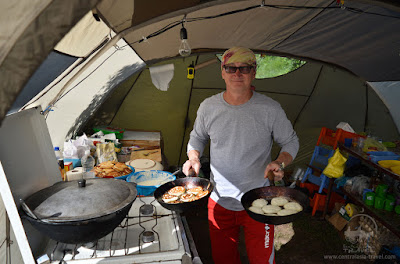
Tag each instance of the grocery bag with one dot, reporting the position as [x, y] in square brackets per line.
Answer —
[336, 164]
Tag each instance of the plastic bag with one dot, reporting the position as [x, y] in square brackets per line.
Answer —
[336, 164]
[75, 149]
[371, 144]
[106, 152]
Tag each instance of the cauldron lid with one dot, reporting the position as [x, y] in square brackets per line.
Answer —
[66, 201]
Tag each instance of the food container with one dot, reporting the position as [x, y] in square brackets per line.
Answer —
[379, 202]
[381, 190]
[145, 165]
[376, 156]
[370, 198]
[389, 202]
[148, 181]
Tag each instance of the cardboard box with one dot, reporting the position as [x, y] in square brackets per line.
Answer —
[338, 221]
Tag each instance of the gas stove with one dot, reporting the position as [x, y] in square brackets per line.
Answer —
[149, 234]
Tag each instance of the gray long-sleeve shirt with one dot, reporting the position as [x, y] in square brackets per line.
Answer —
[241, 141]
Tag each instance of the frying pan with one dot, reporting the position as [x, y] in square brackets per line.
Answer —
[268, 193]
[187, 182]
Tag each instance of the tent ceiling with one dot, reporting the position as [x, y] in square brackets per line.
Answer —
[367, 44]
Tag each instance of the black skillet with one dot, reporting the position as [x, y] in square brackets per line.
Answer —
[270, 192]
[187, 182]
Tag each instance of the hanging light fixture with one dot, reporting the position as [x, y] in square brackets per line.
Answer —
[184, 48]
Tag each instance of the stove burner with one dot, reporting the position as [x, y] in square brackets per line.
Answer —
[146, 209]
[148, 236]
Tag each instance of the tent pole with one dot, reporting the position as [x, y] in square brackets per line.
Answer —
[304, 106]
[187, 116]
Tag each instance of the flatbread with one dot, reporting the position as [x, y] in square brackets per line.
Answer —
[177, 190]
[195, 190]
[271, 209]
[293, 206]
[187, 197]
[259, 202]
[168, 198]
[285, 212]
[201, 194]
[279, 201]
[256, 210]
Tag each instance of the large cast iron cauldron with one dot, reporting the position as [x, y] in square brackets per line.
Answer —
[71, 214]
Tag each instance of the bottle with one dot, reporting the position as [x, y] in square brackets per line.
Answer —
[60, 160]
[87, 164]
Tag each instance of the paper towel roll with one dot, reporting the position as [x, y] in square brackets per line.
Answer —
[75, 174]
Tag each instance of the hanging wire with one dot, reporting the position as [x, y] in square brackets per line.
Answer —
[187, 20]
[262, 5]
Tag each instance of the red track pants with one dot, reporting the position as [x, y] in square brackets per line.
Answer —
[224, 227]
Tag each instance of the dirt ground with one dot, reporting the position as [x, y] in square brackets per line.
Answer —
[307, 240]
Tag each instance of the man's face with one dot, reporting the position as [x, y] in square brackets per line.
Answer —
[238, 80]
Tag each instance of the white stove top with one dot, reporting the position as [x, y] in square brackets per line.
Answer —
[126, 244]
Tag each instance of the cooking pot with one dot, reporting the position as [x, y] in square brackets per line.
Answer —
[69, 213]
[187, 182]
[270, 192]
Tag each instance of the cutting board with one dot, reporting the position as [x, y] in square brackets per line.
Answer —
[153, 154]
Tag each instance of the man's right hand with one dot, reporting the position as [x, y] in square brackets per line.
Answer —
[191, 164]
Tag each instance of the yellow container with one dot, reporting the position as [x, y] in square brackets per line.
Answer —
[351, 209]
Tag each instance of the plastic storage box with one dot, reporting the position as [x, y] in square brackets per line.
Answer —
[376, 156]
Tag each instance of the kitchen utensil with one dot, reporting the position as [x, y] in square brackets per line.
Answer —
[270, 192]
[187, 182]
[87, 213]
[156, 176]
[147, 154]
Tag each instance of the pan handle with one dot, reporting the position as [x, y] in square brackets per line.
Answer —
[271, 178]
[192, 173]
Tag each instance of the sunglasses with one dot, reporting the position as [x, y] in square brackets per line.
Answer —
[242, 69]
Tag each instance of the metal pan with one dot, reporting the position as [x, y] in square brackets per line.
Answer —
[187, 182]
[268, 193]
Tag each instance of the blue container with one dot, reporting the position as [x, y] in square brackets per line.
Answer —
[151, 180]
[376, 156]
[125, 176]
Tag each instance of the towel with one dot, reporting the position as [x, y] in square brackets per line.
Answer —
[162, 75]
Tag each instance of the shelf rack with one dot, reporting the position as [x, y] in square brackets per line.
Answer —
[389, 219]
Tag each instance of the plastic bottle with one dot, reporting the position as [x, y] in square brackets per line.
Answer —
[60, 160]
[87, 164]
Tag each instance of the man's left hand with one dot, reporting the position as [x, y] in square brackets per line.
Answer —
[276, 169]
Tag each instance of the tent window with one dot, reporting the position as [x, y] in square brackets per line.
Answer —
[53, 66]
[274, 66]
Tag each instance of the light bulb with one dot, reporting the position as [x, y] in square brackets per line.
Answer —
[184, 48]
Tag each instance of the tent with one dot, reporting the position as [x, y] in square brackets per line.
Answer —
[109, 47]
[351, 75]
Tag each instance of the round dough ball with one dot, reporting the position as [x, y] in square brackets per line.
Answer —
[285, 212]
[279, 201]
[271, 214]
[293, 206]
[271, 209]
[259, 202]
[256, 210]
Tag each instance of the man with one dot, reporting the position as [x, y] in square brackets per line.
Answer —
[241, 125]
